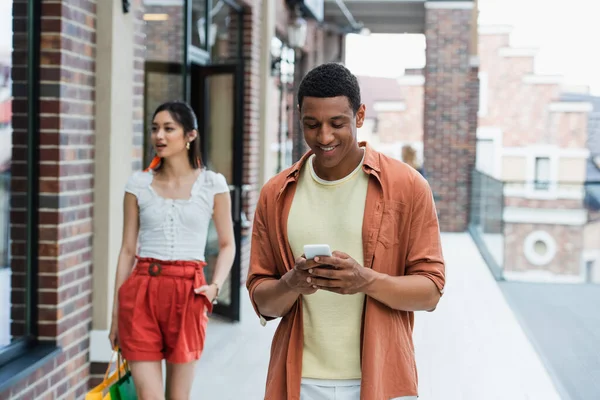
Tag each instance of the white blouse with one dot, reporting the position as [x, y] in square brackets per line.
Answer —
[175, 229]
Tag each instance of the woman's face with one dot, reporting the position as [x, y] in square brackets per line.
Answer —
[168, 136]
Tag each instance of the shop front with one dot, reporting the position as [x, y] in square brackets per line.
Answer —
[194, 53]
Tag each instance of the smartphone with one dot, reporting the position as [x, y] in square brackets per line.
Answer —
[314, 250]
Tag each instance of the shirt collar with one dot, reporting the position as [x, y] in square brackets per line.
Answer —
[370, 161]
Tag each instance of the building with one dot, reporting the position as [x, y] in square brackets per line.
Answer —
[536, 143]
[395, 112]
[536, 138]
[83, 79]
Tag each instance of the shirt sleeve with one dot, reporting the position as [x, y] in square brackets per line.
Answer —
[221, 185]
[424, 244]
[133, 185]
[262, 260]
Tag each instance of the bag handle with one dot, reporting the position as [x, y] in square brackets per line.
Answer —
[120, 361]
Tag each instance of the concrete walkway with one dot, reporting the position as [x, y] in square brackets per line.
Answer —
[470, 348]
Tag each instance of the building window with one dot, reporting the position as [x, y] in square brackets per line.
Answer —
[18, 196]
[539, 248]
[542, 173]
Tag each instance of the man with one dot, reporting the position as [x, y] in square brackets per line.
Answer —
[347, 320]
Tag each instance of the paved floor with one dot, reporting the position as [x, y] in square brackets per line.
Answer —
[568, 337]
[470, 348]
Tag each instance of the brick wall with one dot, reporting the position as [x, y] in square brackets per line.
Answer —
[568, 130]
[165, 38]
[65, 203]
[519, 105]
[252, 50]
[569, 244]
[406, 125]
[561, 204]
[163, 42]
[137, 9]
[449, 138]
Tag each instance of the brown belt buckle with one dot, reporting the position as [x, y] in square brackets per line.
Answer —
[154, 269]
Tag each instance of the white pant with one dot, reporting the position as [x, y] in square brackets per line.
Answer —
[315, 389]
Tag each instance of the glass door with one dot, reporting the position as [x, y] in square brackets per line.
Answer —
[216, 97]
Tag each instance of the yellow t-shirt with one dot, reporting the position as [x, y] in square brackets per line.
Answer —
[330, 212]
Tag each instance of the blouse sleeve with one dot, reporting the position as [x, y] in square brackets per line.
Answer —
[134, 185]
[220, 185]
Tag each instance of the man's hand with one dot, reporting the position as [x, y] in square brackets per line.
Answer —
[298, 279]
[343, 275]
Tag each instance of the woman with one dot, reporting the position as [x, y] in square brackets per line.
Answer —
[160, 310]
[409, 156]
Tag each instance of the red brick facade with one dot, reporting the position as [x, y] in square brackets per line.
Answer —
[518, 100]
[449, 132]
[68, 37]
[251, 50]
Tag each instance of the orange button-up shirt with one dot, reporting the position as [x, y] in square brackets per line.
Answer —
[400, 237]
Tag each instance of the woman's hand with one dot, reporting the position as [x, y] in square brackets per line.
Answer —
[113, 336]
[210, 291]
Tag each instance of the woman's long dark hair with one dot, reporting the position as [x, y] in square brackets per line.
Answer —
[183, 114]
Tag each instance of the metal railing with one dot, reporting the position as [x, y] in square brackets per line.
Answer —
[537, 231]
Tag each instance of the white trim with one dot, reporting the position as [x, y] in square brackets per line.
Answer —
[495, 29]
[484, 90]
[474, 61]
[100, 350]
[571, 106]
[389, 106]
[529, 192]
[496, 135]
[551, 216]
[545, 149]
[530, 253]
[459, 5]
[541, 276]
[163, 3]
[543, 79]
[572, 88]
[411, 80]
[517, 52]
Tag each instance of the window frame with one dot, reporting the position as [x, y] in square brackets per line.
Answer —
[28, 341]
[541, 185]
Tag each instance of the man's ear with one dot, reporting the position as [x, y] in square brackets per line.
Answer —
[360, 115]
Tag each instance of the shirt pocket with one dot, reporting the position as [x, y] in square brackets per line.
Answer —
[392, 223]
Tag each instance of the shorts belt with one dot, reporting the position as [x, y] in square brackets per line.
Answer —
[182, 269]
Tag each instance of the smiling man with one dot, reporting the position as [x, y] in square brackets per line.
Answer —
[347, 320]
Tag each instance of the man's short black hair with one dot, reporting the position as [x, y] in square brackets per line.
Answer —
[330, 80]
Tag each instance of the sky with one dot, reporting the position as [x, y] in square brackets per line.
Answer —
[567, 35]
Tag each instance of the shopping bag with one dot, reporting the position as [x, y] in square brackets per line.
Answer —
[102, 391]
[124, 388]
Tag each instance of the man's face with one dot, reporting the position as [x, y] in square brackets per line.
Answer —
[329, 126]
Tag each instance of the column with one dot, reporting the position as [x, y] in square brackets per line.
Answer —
[449, 129]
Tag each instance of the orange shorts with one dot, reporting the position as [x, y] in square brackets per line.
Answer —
[160, 316]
